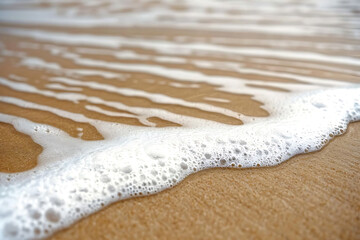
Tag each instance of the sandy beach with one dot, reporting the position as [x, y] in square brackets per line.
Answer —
[78, 73]
[311, 196]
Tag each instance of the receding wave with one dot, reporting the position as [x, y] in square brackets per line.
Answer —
[127, 98]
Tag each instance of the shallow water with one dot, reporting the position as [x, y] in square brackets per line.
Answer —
[127, 98]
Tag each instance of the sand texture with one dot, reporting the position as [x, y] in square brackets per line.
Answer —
[211, 62]
[311, 196]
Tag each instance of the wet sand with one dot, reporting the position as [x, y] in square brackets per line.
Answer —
[311, 196]
[12, 157]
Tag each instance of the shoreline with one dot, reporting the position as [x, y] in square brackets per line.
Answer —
[312, 195]
[85, 88]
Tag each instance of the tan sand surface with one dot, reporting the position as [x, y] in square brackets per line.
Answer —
[12, 157]
[311, 196]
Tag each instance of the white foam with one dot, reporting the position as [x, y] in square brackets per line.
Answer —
[228, 84]
[212, 65]
[17, 78]
[58, 86]
[162, 46]
[154, 97]
[49, 16]
[143, 113]
[81, 177]
[221, 100]
[98, 173]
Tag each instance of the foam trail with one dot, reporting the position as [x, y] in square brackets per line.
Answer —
[77, 97]
[115, 42]
[198, 64]
[147, 162]
[50, 17]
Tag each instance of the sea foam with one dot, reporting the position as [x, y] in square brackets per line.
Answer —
[297, 66]
[85, 176]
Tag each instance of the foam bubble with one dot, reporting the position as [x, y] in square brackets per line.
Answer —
[146, 162]
[82, 177]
